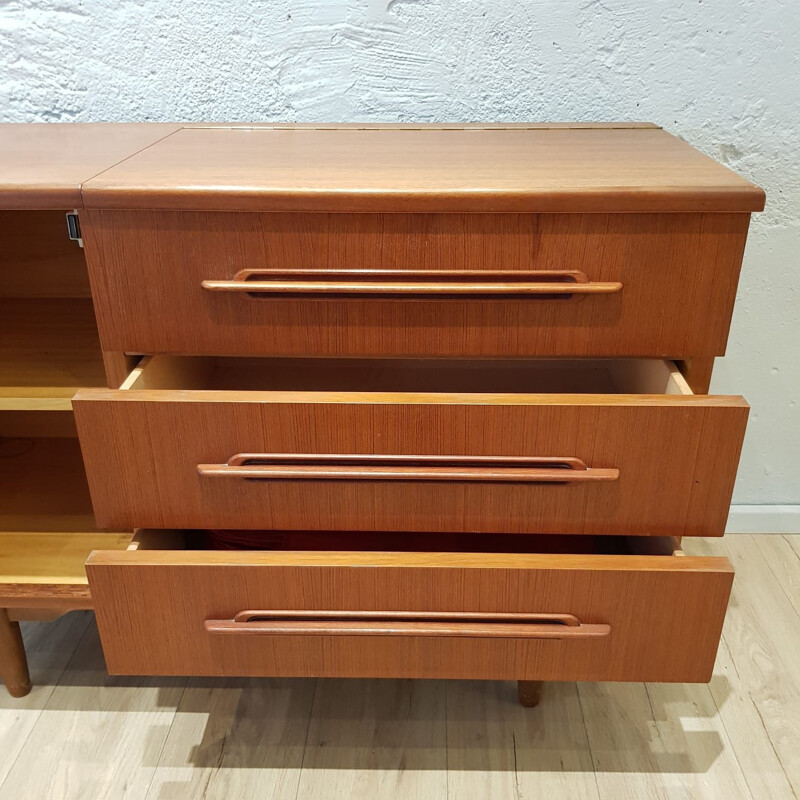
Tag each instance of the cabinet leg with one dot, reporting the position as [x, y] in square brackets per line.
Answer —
[529, 693]
[13, 662]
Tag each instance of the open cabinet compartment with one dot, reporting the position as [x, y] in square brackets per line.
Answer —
[47, 528]
[614, 447]
[49, 347]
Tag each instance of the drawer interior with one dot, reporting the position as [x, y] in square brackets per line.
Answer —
[523, 376]
[401, 542]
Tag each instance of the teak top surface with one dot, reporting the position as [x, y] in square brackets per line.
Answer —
[42, 166]
[418, 169]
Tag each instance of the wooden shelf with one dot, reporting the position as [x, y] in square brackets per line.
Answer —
[46, 571]
[47, 528]
[52, 558]
[49, 348]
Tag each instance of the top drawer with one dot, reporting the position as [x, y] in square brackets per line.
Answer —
[513, 284]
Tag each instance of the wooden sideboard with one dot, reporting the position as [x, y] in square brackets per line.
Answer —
[446, 386]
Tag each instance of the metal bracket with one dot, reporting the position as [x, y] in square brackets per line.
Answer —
[74, 228]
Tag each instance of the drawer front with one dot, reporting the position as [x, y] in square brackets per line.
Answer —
[644, 284]
[413, 615]
[617, 464]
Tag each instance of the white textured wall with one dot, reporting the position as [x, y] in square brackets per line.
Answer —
[723, 74]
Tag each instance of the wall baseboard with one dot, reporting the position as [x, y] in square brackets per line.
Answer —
[764, 519]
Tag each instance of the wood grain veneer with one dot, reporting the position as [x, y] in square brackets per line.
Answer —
[664, 613]
[42, 166]
[48, 349]
[678, 272]
[145, 450]
[421, 170]
[381, 241]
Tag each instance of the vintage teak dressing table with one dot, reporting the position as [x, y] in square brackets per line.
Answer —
[447, 387]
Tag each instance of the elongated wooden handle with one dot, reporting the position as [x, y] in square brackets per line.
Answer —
[542, 284]
[408, 623]
[455, 469]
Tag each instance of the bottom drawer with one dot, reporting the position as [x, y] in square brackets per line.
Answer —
[606, 613]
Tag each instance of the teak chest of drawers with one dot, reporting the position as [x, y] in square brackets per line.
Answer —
[455, 377]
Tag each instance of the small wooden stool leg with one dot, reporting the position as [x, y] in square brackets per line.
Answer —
[13, 662]
[529, 693]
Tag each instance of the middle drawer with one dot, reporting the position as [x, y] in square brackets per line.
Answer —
[527, 446]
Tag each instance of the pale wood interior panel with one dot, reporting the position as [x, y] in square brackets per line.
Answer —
[43, 486]
[529, 376]
[53, 557]
[37, 259]
[47, 527]
[647, 376]
[174, 372]
[49, 345]
[49, 348]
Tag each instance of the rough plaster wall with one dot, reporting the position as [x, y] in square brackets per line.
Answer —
[723, 74]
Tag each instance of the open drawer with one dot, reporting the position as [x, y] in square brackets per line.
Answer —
[526, 446]
[601, 612]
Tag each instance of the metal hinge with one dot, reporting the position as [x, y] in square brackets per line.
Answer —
[74, 228]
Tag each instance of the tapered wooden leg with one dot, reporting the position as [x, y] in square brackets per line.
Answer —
[529, 693]
[13, 662]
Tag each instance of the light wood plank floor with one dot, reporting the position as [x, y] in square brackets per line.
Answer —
[82, 734]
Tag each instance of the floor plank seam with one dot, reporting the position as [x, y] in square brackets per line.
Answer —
[729, 740]
[516, 774]
[588, 741]
[771, 744]
[305, 744]
[787, 538]
[777, 579]
[445, 688]
[724, 641]
[165, 740]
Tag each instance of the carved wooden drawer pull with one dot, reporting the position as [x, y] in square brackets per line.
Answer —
[538, 284]
[453, 469]
[408, 623]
